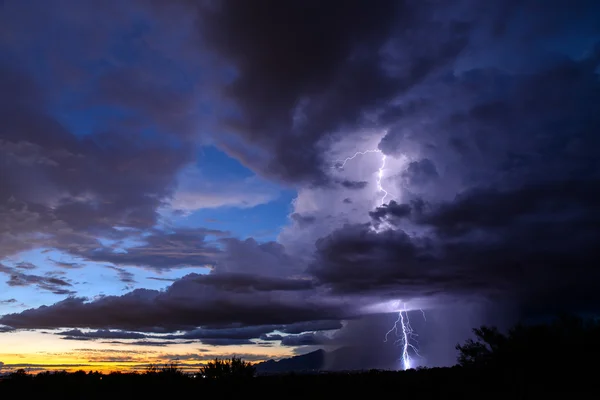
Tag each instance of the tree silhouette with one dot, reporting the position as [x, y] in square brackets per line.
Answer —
[567, 339]
[168, 371]
[172, 370]
[483, 351]
[231, 368]
[20, 374]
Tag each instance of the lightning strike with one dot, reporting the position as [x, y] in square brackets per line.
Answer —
[339, 164]
[379, 178]
[405, 338]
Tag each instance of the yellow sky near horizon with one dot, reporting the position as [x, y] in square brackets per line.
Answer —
[36, 351]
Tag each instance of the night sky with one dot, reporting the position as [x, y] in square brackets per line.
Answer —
[173, 183]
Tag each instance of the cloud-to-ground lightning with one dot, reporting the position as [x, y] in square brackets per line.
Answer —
[405, 338]
[405, 335]
[341, 163]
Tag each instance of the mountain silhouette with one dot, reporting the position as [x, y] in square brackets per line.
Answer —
[341, 359]
[310, 362]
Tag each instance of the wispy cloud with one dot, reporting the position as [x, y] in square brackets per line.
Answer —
[66, 265]
[47, 283]
[124, 276]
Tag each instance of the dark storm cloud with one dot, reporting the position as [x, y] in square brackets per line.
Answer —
[529, 131]
[193, 301]
[255, 332]
[563, 202]
[499, 129]
[246, 333]
[536, 245]
[251, 257]
[306, 339]
[102, 334]
[310, 326]
[420, 172]
[500, 191]
[356, 259]
[226, 342]
[70, 188]
[392, 210]
[210, 336]
[301, 71]
[144, 343]
[65, 183]
[252, 283]
[305, 70]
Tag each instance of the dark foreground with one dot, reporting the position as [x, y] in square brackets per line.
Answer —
[436, 383]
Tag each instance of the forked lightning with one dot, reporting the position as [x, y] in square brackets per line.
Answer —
[341, 163]
[405, 338]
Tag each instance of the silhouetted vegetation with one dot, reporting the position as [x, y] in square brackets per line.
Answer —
[525, 361]
[566, 343]
[168, 371]
[234, 368]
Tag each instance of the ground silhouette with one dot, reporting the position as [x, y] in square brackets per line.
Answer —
[556, 357]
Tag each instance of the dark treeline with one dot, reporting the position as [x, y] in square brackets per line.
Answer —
[527, 360]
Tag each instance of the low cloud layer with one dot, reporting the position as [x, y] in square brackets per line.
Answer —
[193, 301]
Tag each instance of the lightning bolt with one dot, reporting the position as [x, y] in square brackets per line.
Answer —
[379, 178]
[339, 164]
[405, 337]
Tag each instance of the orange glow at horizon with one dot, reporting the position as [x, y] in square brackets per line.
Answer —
[36, 352]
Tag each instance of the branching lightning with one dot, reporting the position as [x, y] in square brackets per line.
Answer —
[404, 333]
[380, 177]
[405, 337]
[341, 163]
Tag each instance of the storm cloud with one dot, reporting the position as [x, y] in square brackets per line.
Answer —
[498, 244]
[477, 174]
[193, 301]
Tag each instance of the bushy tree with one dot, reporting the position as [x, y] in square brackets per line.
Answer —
[227, 368]
[567, 339]
[20, 375]
[152, 369]
[484, 350]
[170, 370]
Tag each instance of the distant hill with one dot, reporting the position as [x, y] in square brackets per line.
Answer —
[310, 362]
[341, 359]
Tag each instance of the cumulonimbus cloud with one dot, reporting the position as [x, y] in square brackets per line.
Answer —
[489, 125]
